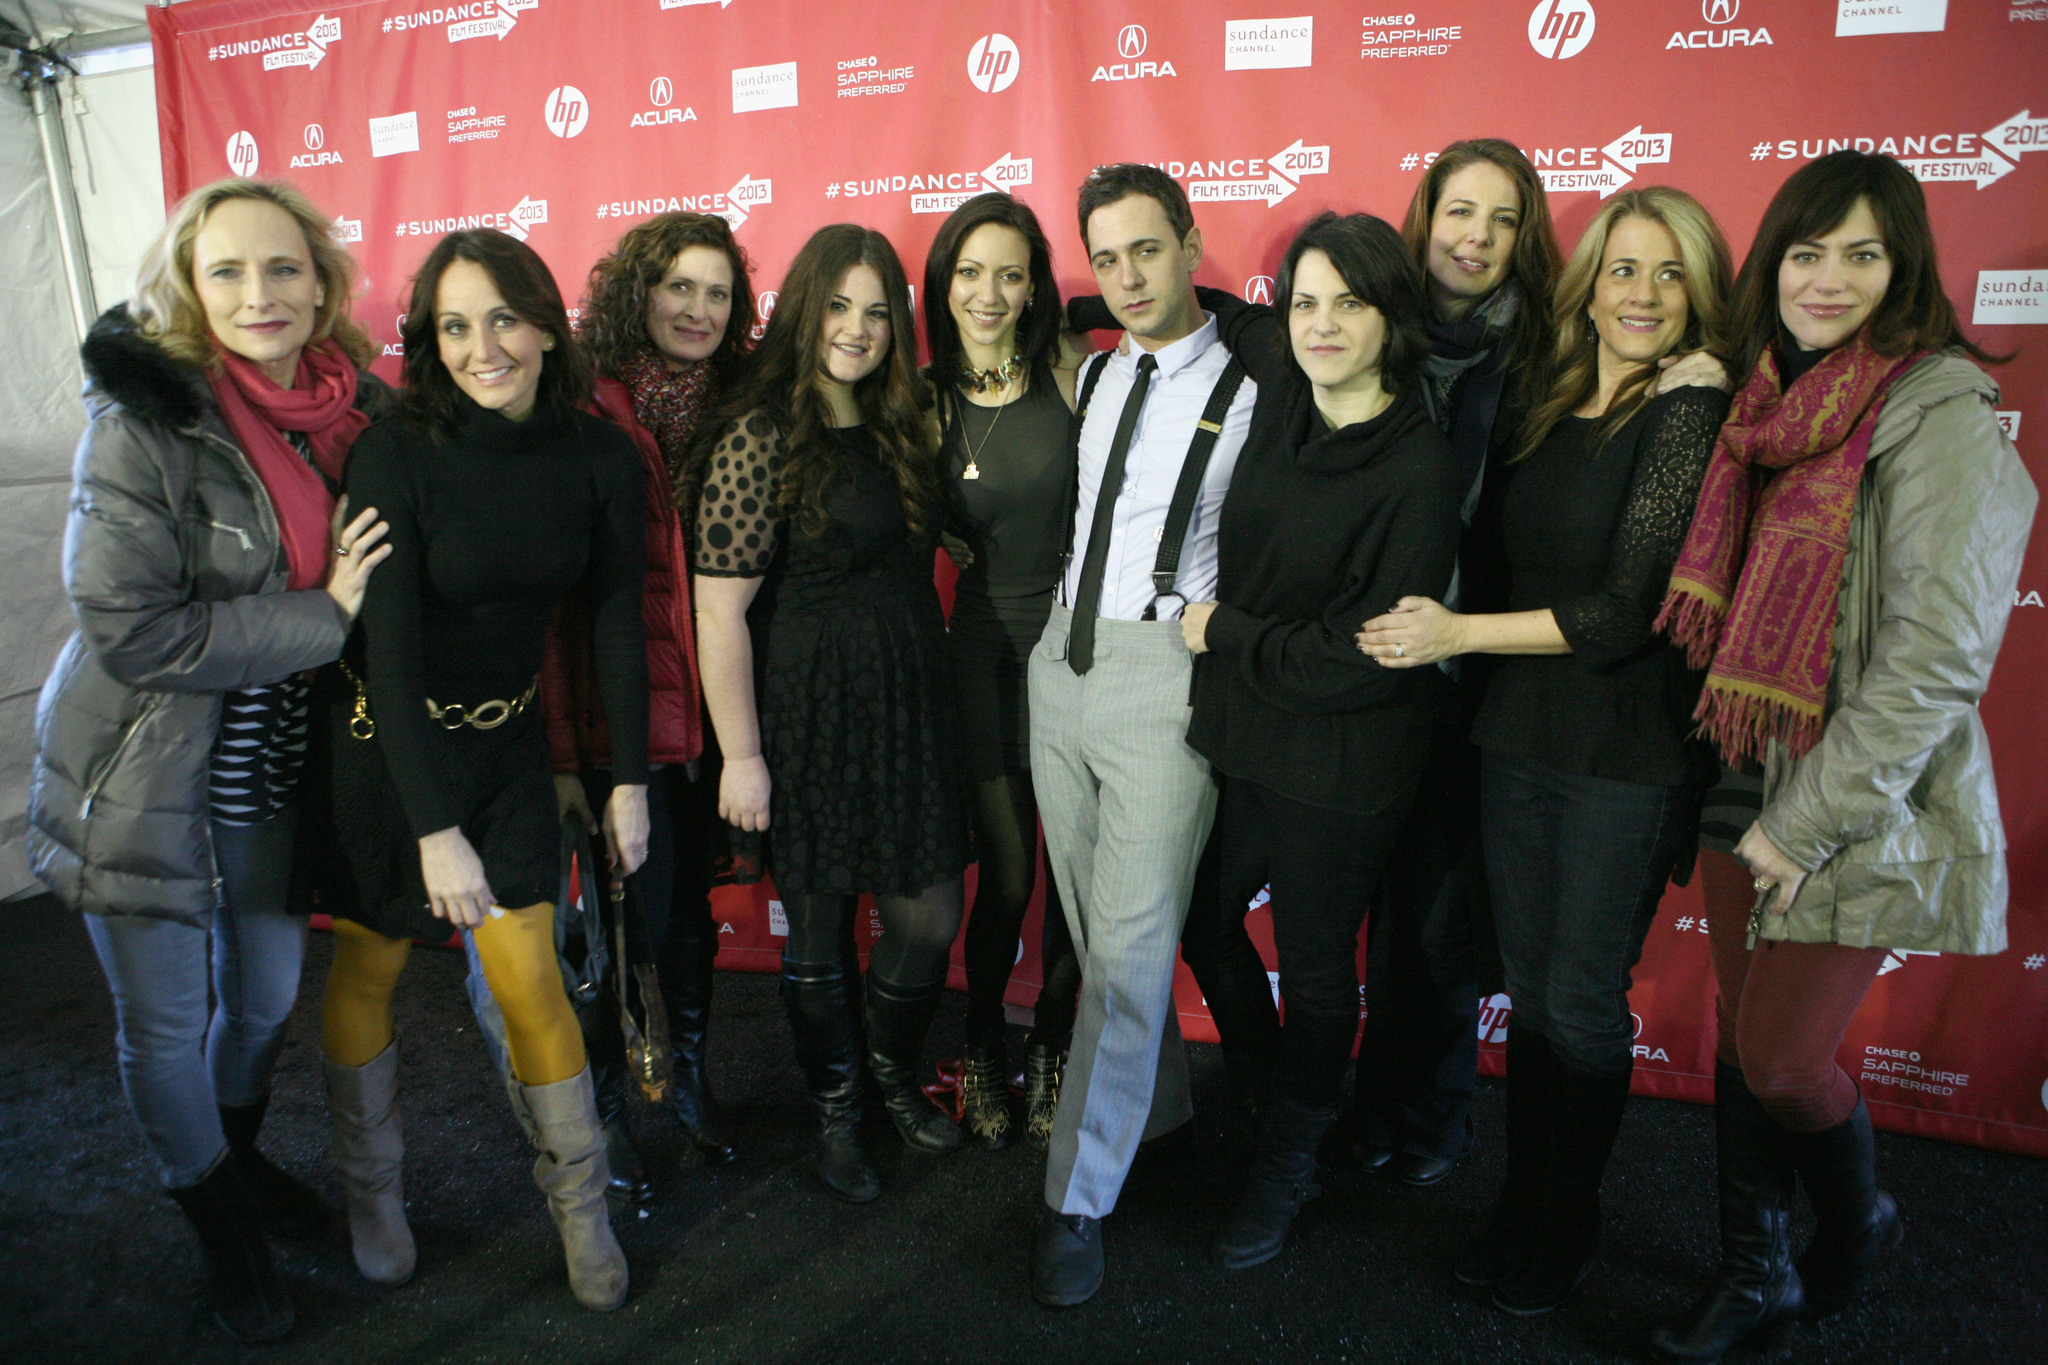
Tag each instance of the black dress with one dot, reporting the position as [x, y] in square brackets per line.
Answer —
[1014, 515]
[490, 525]
[854, 688]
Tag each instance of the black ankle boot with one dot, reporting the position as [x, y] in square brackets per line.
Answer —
[1282, 1178]
[629, 1182]
[1584, 1119]
[1043, 1070]
[985, 1097]
[1855, 1222]
[687, 996]
[249, 1300]
[289, 1208]
[1755, 1297]
[1498, 1252]
[898, 1020]
[815, 997]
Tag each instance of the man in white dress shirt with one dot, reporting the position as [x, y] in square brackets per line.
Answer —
[1125, 802]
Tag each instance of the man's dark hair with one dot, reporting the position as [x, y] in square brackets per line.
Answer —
[1107, 185]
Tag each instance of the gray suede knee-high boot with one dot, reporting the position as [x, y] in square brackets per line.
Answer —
[368, 1147]
[561, 1119]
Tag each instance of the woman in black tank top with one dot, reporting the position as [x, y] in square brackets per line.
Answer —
[992, 313]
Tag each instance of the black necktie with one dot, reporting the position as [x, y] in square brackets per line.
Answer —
[1088, 600]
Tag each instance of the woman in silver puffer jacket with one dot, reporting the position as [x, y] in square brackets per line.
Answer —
[210, 566]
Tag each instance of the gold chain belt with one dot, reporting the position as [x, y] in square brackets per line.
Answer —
[485, 715]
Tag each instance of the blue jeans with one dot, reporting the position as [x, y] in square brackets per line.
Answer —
[181, 1058]
[1576, 866]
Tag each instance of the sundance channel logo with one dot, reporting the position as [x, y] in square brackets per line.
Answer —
[1269, 44]
[764, 87]
[306, 48]
[1856, 18]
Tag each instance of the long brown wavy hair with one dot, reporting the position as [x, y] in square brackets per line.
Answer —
[166, 306]
[1535, 259]
[1574, 364]
[1915, 313]
[785, 384]
[614, 322]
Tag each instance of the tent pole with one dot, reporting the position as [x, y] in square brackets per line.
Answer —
[49, 113]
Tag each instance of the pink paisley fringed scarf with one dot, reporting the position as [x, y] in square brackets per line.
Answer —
[1754, 597]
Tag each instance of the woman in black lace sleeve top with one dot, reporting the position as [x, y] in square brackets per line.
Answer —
[1590, 787]
[823, 654]
[502, 495]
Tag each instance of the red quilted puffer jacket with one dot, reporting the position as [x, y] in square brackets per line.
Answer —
[568, 679]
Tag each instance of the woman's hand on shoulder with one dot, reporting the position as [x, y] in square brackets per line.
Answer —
[457, 889]
[356, 555]
[1415, 631]
[744, 789]
[1693, 369]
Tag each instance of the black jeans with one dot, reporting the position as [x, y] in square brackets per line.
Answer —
[1321, 865]
[1431, 934]
[1576, 866]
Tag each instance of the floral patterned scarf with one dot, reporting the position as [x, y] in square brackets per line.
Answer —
[669, 403]
[1755, 594]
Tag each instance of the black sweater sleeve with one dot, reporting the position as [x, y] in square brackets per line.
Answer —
[1315, 666]
[394, 651]
[1612, 625]
[617, 577]
[1250, 331]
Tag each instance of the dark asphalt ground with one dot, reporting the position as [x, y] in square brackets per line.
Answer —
[754, 1264]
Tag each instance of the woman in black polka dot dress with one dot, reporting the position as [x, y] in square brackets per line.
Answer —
[823, 655]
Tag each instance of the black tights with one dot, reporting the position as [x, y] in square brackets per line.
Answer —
[917, 936]
[1006, 838]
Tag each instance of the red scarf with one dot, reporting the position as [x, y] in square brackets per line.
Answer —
[322, 404]
[1757, 588]
[669, 403]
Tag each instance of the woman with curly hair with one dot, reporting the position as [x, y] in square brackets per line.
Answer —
[667, 322]
[825, 670]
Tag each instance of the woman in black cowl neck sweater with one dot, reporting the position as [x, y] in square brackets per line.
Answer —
[1344, 500]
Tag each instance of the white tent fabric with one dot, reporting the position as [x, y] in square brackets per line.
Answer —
[119, 179]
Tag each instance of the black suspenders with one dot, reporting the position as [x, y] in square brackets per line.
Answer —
[1181, 511]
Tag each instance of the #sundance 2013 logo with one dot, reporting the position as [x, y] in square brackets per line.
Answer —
[517, 221]
[1269, 179]
[734, 205]
[1574, 170]
[939, 191]
[305, 49]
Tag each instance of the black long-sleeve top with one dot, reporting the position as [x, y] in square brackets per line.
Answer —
[1591, 531]
[1321, 530]
[490, 525]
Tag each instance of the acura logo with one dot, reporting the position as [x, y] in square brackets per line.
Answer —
[661, 92]
[1259, 289]
[1131, 41]
[316, 137]
[1720, 11]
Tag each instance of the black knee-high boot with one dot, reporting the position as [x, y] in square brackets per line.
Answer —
[1499, 1249]
[686, 992]
[290, 1209]
[1584, 1120]
[249, 1300]
[1282, 1178]
[1855, 1222]
[1755, 1297]
[815, 997]
[898, 1019]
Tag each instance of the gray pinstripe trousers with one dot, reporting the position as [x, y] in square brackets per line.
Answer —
[1126, 806]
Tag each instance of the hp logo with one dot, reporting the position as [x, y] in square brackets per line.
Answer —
[243, 158]
[992, 63]
[566, 111]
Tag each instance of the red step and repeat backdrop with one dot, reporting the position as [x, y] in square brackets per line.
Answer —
[564, 121]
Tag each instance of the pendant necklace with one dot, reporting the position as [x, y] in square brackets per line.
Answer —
[981, 381]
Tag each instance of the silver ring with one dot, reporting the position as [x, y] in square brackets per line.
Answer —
[340, 548]
[1400, 651]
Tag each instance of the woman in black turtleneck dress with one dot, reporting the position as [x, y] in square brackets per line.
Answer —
[1344, 499]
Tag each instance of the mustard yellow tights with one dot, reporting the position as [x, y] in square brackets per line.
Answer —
[518, 956]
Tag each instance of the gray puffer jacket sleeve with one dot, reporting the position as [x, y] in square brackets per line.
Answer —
[136, 584]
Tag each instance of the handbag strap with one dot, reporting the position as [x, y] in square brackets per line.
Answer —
[1181, 511]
